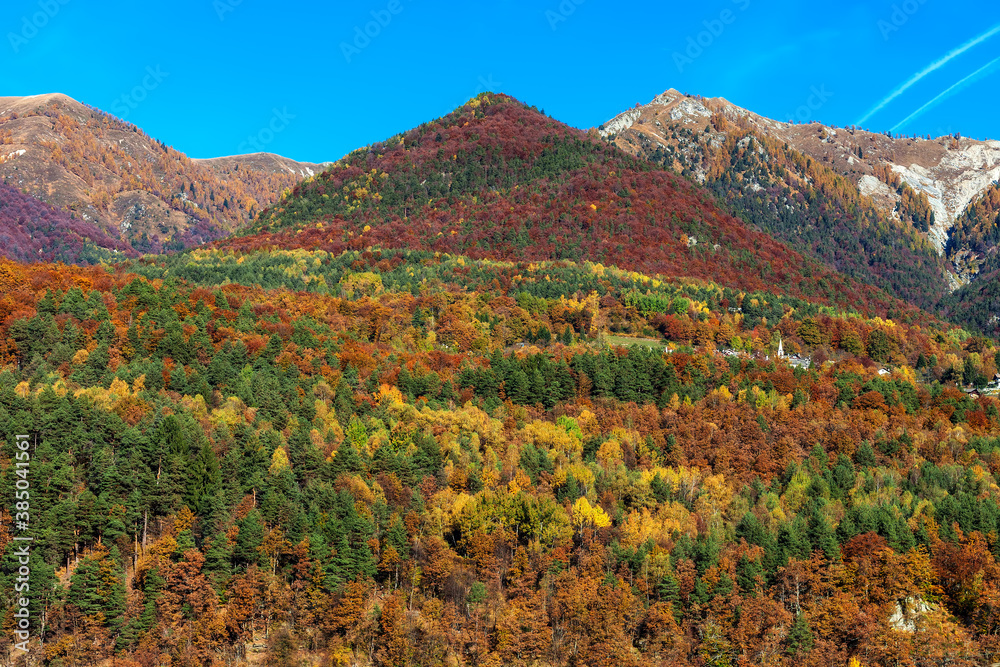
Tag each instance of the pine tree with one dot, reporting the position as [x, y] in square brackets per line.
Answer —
[800, 637]
[749, 576]
[791, 543]
[343, 401]
[74, 304]
[660, 490]
[668, 590]
[751, 529]
[47, 304]
[204, 480]
[544, 335]
[846, 529]
[397, 538]
[517, 386]
[701, 594]
[724, 587]
[251, 536]
[865, 456]
[218, 554]
[821, 535]
[341, 566]
[537, 390]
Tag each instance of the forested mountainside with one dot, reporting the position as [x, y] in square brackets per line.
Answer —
[495, 392]
[136, 189]
[496, 179]
[975, 239]
[31, 231]
[755, 169]
[386, 457]
[977, 305]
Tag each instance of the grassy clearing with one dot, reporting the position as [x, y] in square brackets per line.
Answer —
[625, 341]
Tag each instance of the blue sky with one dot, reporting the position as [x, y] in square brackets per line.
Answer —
[218, 77]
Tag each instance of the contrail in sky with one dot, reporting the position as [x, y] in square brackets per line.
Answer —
[931, 68]
[947, 93]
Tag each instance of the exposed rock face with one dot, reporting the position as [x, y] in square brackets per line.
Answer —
[908, 612]
[953, 182]
[620, 123]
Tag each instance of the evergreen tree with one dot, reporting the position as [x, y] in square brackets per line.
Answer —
[701, 594]
[846, 529]
[397, 538]
[204, 480]
[251, 535]
[800, 637]
[660, 490]
[74, 304]
[537, 391]
[821, 535]
[518, 387]
[749, 575]
[865, 456]
[342, 565]
[668, 590]
[792, 543]
[47, 305]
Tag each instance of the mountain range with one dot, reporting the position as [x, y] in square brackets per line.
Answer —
[909, 216]
[499, 179]
[691, 388]
[951, 172]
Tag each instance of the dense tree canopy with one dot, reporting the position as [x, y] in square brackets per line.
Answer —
[387, 457]
[31, 231]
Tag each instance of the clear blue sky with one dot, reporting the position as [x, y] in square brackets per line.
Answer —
[213, 73]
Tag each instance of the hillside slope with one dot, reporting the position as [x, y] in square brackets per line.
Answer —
[130, 185]
[32, 231]
[496, 179]
[806, 185]
[951, 171]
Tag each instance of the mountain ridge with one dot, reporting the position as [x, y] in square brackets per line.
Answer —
[952, 172]
[134, 187]
[264, 161]
[774, 188]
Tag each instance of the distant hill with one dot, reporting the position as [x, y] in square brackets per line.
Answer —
[264, 163]
[950, 171]
[497, 179]
[133, 187]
